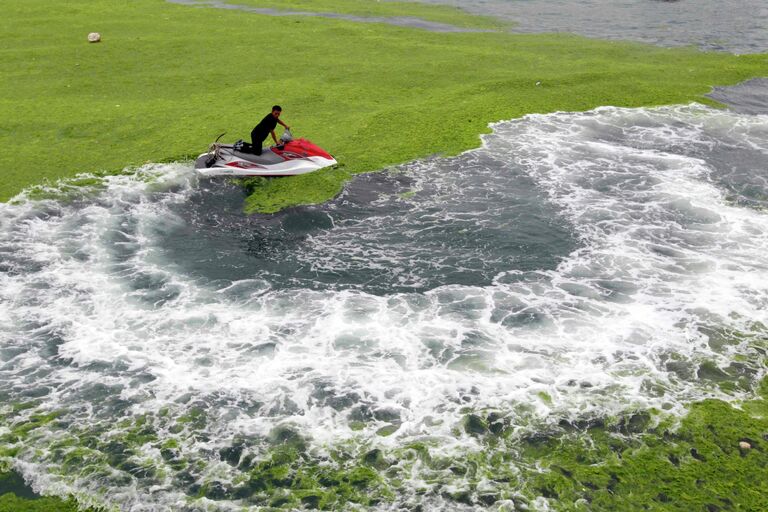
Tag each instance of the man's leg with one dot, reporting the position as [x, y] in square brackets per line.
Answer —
[257, 139]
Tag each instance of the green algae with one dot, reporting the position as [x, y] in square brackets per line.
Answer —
[391, 96]
[195, 418]
[38, 420]
[138, 431]
[75, 453]
[9, 502]
[697, 466]
[475, 425]
[387, 430]
[289, 476]
[545, 397]
[17, 496]
[21, 428]
[640, 460]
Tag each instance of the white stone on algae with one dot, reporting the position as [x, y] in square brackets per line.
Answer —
[744, 445]
[94, 37]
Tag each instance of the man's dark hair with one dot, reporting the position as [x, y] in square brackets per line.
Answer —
[278, 108]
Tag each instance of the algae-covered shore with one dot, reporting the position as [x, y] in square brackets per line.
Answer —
[168, 78]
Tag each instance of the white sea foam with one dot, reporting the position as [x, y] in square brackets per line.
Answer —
[98, 322]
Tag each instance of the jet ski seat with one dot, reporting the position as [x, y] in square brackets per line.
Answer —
[267, 157]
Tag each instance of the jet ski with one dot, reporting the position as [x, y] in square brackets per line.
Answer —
[291, 157]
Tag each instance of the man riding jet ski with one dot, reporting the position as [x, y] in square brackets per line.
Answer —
[265, 127]
[287, 158]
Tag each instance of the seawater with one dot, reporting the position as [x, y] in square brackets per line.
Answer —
[577, 265]
[736, 27]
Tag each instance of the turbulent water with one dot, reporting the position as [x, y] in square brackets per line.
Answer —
[577, 265]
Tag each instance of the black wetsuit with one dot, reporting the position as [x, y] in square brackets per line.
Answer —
[261, 131]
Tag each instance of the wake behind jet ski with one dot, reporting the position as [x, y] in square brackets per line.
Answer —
[290, 158]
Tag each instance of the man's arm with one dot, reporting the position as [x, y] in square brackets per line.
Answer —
[284, 125]
[274, 138]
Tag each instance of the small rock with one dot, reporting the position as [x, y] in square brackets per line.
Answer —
[743, 445]
[94, 37]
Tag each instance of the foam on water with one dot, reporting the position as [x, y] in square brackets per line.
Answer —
[663, 276]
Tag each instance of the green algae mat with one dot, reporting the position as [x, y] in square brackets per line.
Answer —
[168, 78]
[714, 459]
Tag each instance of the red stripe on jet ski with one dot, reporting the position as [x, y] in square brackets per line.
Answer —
[245, 165]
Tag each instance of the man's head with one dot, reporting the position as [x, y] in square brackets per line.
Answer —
[276, 111]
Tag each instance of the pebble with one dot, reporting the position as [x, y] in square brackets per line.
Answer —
[743, 445]
[94, 37]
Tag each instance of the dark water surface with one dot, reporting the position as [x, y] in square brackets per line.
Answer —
[736, 27]
[459, 222]
[750, 97]
[400, 21]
